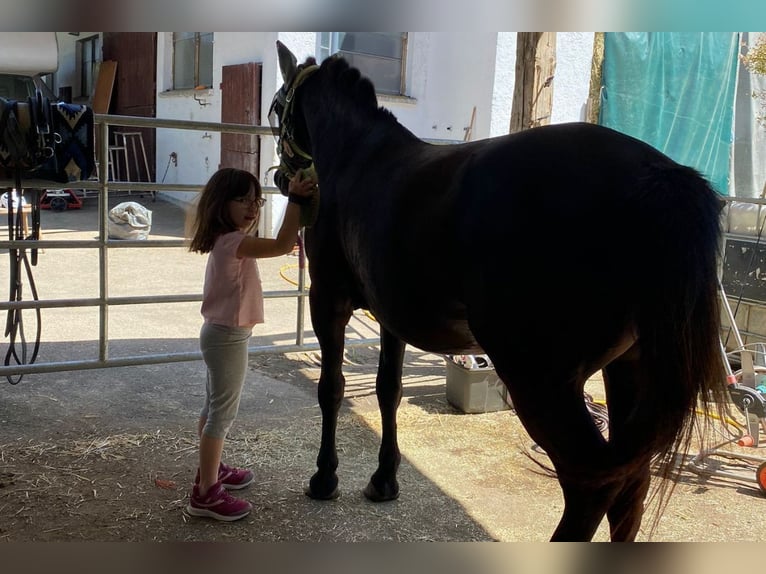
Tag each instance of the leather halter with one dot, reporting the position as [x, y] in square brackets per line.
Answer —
[292, 157]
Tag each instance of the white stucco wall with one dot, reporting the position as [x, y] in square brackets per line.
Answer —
[199, 153]
[574, 52]
[571, 82]
[448, 73]
[505, 81]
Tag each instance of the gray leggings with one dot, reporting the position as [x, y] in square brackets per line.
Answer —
[224, 350]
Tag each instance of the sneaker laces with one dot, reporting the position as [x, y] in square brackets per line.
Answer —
[226, 496]
[230, 499]
[217, 491]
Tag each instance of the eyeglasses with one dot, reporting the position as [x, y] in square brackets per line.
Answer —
[259, 201]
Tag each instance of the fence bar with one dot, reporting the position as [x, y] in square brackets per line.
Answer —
[103, 249]
[103, 244]
[159, 359]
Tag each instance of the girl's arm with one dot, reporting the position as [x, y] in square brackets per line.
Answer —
[258, 247]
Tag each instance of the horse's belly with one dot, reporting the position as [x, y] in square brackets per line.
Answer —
[436, 335]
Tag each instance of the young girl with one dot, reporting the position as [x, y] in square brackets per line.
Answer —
[232, 303]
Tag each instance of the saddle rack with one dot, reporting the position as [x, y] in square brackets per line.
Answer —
[746, 378]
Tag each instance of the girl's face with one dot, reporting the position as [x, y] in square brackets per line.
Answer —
[244, 210]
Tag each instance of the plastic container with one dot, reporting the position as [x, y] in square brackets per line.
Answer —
[475, 390]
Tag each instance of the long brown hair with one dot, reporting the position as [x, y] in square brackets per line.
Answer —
[211, 217]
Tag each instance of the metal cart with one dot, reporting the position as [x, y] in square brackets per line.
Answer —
[736, 457]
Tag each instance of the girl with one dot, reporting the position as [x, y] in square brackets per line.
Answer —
[232, 303]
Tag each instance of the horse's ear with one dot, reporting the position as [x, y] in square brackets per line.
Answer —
[288, 63]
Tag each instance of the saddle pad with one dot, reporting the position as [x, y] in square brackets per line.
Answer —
[74, 157]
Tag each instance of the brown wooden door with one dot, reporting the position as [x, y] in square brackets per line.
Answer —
[134, 92]
[241, 104]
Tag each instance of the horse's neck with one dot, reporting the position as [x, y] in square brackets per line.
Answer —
[354, 136]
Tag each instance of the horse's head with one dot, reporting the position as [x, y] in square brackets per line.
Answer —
[289, 128]
[332, 103]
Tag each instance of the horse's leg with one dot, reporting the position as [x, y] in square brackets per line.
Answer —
[329, 317]
[622, 379]
[556, 417]
[388, 387]
[576, 449]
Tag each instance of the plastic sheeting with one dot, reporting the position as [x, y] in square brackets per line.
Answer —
[675, 91]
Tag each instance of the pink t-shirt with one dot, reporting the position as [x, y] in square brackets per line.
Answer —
[232, 294]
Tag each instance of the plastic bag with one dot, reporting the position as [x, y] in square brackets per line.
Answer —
[14, 200]
[129, 220]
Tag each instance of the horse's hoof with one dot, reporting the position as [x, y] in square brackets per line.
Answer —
[331, 496]
[374, 495]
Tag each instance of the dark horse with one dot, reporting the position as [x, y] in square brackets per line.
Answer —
[558, 251]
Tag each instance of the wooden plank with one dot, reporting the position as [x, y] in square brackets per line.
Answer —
[535, 69]
[102, 95]
[593, 106]
[26, 211]
[469, 130]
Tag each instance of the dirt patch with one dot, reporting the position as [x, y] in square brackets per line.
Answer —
[66, 474]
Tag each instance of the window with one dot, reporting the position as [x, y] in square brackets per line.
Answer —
[378, 55]
[89, 50]
[192, 60]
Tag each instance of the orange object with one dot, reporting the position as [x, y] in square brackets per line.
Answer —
[760, 477]
[746, 440]
[60, 200]
[166, 484]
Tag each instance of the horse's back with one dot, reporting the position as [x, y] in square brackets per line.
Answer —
[567, 187]
[563, 229]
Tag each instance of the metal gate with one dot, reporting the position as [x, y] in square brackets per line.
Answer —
[104, 301]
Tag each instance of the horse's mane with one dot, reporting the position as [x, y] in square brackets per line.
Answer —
[353, 87]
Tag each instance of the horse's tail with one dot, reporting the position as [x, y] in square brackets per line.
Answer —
[678, 318]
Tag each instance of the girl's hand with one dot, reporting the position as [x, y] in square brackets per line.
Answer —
[301, 190]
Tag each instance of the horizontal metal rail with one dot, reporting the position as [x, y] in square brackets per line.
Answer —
[133, 300]
[104, 301]
[157, 359]
[103, 244]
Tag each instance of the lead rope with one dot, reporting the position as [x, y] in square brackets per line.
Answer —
[14, 325]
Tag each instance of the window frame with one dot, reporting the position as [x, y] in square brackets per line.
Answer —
[89, 59]
[328, 44]
[198, 73]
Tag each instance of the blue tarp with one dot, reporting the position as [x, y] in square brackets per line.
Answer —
[675, 91]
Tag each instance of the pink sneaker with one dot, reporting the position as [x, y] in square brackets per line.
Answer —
[232, 478]
[217, 503]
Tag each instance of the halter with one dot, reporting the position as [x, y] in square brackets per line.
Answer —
[292, 158]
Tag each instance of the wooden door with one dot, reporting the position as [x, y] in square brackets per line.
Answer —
[241, 104]
[135, 91]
